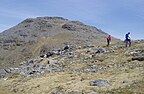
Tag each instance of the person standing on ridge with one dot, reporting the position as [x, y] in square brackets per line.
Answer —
[109, 40]
[128, 39]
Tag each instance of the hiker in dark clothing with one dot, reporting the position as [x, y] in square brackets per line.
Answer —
[109, 40]
[128, 39]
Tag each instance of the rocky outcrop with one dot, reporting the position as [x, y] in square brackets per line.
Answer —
[69, 27]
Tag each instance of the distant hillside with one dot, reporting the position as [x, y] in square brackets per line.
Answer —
[34, 36]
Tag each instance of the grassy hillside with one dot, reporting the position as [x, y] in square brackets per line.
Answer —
[121, 67]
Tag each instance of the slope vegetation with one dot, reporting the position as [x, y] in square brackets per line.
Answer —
[84, 70]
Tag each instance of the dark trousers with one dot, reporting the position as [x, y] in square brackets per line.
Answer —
[128, 41]
[108, 42]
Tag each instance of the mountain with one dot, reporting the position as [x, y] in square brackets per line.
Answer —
[35, 36]
[53, 55]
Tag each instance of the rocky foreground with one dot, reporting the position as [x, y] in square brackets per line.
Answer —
[79, 70]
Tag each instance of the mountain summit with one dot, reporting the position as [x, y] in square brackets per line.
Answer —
[35, 36]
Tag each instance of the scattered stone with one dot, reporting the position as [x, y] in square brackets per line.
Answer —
[90, 70]
[52, 61]
[118, 47]
[125, 81]
[43, 55]
[89, 50]
[3, 73]
[67, 47]
[8, 70]
[99, 83]
[79, 47]
[138, 58]
[83, 92]
[92, 92]
[100, 50]
[56, 92]
[49, 54]
[134, 53]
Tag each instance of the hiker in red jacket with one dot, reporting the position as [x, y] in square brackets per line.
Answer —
[109, 38]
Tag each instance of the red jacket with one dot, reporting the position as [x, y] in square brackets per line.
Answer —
[109, 38]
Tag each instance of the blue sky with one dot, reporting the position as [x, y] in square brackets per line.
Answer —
[116, 17]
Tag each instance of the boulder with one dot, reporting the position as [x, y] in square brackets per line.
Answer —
[52, 61]
[3, 73]
[138, 58]
[66, 47]
[101, 50]
[49, 54]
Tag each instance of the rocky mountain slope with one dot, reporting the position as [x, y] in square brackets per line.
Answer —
[35, 36]
[83, 70]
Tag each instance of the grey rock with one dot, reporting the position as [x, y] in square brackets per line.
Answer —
[57, 51]
[52, 61]
[100, 50]
[118, 47]
[92, 92]
[67, 47]
[69, 27]
[138, 58]
[90, 70]
[125, 81]
[43, 55]
[99, 83]
[8, 70]
[49, 54]
[70, 55]
[89, 50]
[3, 73]
[15, 70]
[79, 47]
[58, 91]
[134, 52]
